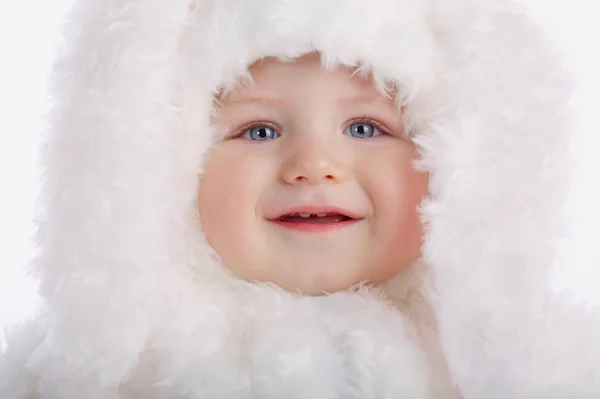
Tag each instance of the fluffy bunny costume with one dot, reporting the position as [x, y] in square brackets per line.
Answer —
[137, 305]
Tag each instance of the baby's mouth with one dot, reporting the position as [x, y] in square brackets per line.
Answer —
[314, 218]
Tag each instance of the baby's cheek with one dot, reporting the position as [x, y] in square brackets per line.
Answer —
[403, 243]
[218, 203]
[229, 191]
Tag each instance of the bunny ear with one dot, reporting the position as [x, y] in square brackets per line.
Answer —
[499, 179]
[107, 147]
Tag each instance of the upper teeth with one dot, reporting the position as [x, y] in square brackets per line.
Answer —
[307, 215]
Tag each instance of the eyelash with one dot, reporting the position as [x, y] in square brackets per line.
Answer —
[364, 119]
[251, 125]
[371, 121]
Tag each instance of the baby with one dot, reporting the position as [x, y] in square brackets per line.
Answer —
[303, 199]
[312, 186]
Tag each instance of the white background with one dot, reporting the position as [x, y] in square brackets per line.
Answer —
[28, 35]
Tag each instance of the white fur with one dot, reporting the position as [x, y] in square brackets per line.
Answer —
[137, 305]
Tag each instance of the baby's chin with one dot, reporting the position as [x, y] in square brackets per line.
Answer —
[316, 272]
[323, 283]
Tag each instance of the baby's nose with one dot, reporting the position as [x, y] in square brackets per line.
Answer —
[313, 166]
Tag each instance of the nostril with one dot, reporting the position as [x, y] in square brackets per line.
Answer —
[315, 179]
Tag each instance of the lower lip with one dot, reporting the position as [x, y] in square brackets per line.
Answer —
[316, 227]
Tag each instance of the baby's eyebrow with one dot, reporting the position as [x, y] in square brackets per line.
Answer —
[250, 99]
[368, 100]
[349, 100]
[364, 99]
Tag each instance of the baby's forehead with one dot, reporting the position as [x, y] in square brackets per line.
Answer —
[272, 80]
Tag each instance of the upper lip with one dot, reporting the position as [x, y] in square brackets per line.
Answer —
[316, 209]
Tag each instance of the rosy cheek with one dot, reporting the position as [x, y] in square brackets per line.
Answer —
[217, 203]
[404, 242]
[229, 189]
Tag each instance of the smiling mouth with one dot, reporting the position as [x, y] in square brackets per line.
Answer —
[320, 222]
[314, 218]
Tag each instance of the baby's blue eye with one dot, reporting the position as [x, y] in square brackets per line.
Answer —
[260, 133]
[362, 130]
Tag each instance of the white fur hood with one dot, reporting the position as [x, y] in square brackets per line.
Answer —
[136, 305]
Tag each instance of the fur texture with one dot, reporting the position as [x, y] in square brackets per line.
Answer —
[137, 305]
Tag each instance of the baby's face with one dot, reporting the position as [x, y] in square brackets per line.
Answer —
[312, 187]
